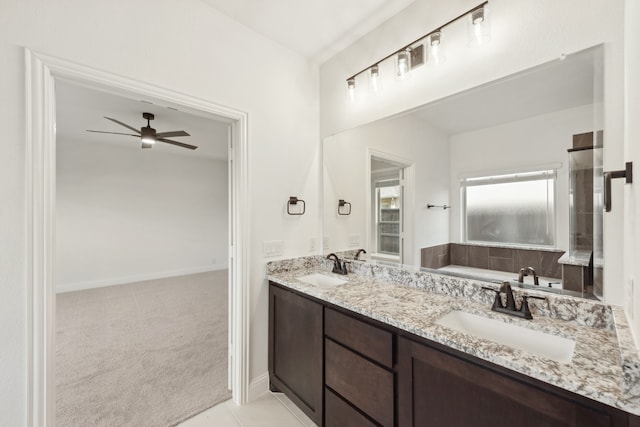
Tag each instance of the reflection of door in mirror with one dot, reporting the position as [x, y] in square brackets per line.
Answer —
[387, 203]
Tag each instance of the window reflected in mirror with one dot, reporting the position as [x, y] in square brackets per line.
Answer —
[512, 210]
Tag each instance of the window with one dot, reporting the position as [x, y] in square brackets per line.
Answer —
[514, 209]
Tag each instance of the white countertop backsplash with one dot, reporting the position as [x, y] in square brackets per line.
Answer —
[605, 366]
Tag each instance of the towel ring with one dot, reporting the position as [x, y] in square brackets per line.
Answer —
[293, 201]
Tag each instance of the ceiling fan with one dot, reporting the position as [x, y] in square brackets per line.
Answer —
[148, 135]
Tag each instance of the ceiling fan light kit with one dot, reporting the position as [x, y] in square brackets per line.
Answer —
[148, 135]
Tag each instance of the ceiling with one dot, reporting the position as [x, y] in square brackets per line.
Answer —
[554, 86]
[315, 28]
[79, 108]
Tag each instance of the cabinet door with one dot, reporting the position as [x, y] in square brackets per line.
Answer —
[439, 389]
[295, 349]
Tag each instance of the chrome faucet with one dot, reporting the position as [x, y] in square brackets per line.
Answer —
[510, 306]
[339, 267]
[525, 271]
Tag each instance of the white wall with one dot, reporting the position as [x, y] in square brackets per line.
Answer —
[125, 215]
[187, 47]
[536, 141]
[408, 138]
[632, 153]
[524, 34]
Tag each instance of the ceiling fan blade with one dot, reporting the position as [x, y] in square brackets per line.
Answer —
[179, 144]
[123, 124]
[113, 133]
[170, 134]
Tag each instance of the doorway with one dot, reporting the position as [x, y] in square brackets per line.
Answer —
[141, 260]
[387, 184]
[389, 192]
[42, 72]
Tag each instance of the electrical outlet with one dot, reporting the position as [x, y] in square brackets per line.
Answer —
[272, 248]
[354, 240]
[325, 243]
[313, 244]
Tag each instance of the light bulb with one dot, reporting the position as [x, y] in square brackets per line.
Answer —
[148, 135]
[435, 44]
[478, 25]
[351, 90]
[374, 79]
[403, 64]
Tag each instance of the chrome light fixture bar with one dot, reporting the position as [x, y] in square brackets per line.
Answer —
[478, 34]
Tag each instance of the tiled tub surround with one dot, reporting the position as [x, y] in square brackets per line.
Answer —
[605, 366]
[544, 262]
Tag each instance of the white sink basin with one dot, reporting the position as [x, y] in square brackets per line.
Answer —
[321, 280]
[535, 342]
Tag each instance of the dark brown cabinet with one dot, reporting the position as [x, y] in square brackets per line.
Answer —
[436, 388]
[341, 414]
[346, 370]
[358, 359]
[372, 342]
[295, 350]
[362, 383]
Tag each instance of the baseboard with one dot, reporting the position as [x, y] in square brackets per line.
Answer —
[258, 386]
[79, 286]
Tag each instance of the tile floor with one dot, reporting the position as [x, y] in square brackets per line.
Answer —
[270, 410]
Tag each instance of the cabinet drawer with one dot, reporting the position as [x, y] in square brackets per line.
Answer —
[363, 383]
[374, 343]
[339, 413]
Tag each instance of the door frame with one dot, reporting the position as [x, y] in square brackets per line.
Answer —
[41, 72]
[406, 234]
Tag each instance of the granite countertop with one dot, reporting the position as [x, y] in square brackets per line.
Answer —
[605, 366]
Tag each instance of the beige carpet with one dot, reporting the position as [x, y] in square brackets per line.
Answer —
[150, 353]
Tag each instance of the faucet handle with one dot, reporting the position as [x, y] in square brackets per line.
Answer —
[497, 302]
[511, 302]
[344, 266]
[524, 308]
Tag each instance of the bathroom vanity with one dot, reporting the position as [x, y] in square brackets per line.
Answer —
[370, 349]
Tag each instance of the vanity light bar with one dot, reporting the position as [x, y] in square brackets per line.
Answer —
[477, 16]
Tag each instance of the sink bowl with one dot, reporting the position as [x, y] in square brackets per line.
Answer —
[534, 342]
[321, 280]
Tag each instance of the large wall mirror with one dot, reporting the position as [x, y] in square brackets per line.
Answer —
[499, 182]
